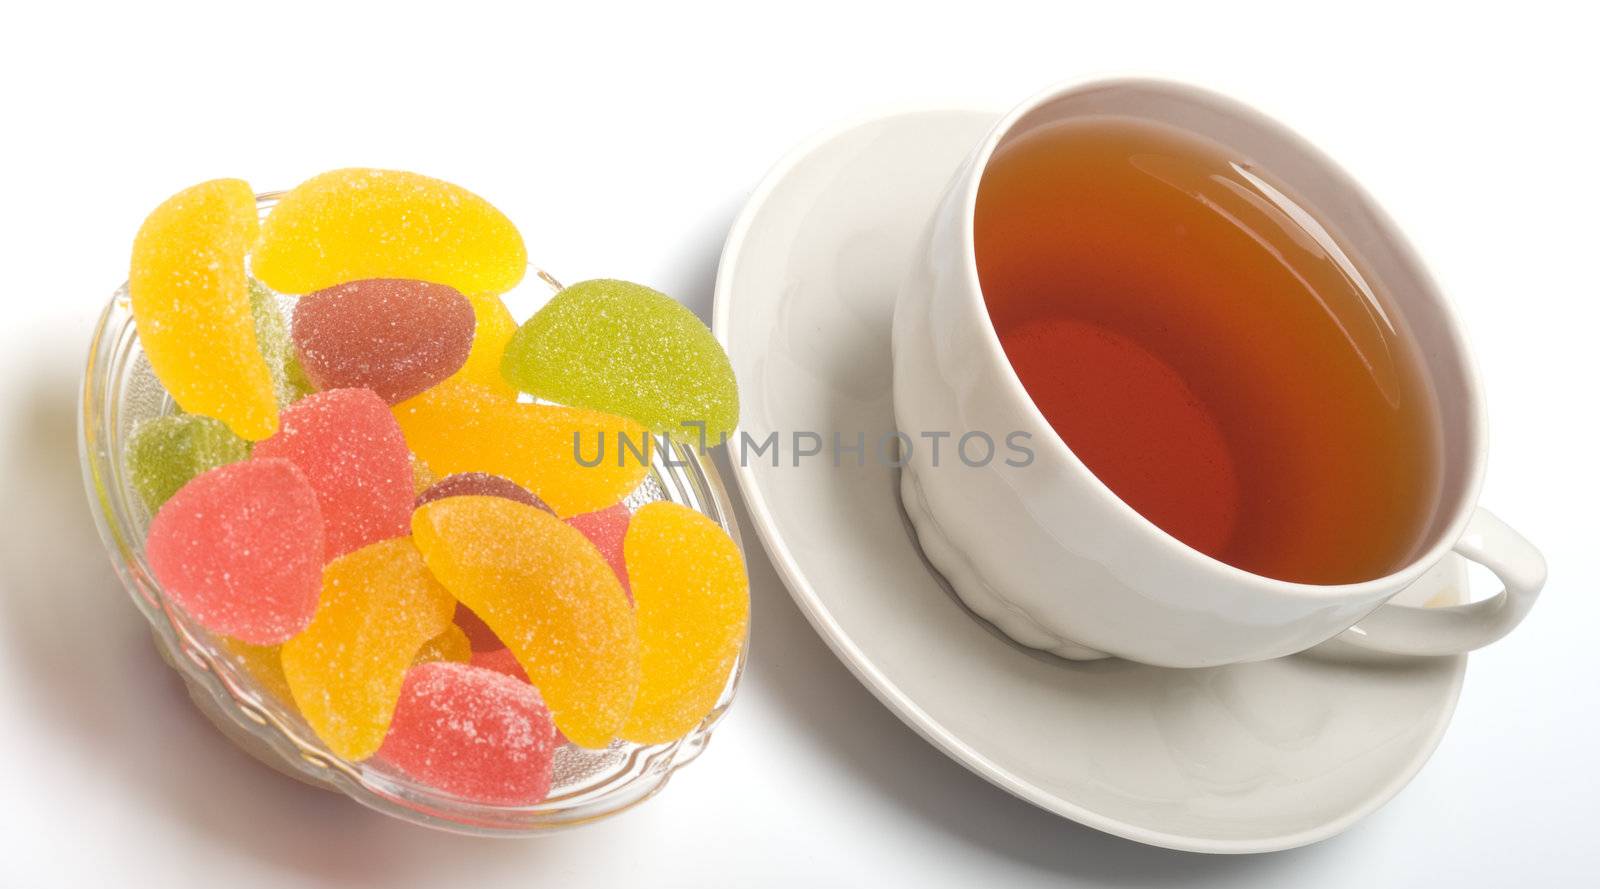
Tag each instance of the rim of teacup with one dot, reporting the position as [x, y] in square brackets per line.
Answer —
[1471, 469]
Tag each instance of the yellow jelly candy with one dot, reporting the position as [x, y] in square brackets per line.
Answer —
[379, 605]
[191, 304]
[550, 596]
[464, 427]
[264, 664]
[451, 645]
[349, 225]
[422, 477]
[693, 602]
[493, 330]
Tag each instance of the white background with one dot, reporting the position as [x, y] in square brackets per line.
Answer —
[623, 142]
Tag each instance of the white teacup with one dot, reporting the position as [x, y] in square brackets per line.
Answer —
[1047, 553]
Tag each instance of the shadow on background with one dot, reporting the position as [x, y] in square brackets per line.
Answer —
[92, 681]
[116, 713]
[791, 664]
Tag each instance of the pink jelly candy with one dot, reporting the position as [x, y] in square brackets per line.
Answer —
[503, 661]
[352, 451]
[239, 548]
[605, 529]
[472, 732]
[482, 484]
[392, 336]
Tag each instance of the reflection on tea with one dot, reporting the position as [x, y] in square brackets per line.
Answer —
[1208, 349]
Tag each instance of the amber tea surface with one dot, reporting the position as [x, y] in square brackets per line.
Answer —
[1208, 349]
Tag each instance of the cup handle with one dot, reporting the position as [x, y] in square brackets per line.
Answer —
[1402, 629]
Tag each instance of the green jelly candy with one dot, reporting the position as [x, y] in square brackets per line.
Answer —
[289, 380]
[164, 453]
[628, 350]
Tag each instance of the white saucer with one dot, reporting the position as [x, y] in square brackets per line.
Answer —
[1247, 758]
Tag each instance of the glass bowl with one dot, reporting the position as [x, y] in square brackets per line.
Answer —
[120, 391]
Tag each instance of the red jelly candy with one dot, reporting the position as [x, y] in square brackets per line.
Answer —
[605, 529]
[472, 732]
[239, 548]
[468, 484]
[478, 632]
[500, 660]
[352, 451]
[392, 336]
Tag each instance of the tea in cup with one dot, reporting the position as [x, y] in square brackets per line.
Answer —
[1252, 417]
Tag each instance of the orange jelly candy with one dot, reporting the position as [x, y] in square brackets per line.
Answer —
[264, 664]
[460, 426]
[379, 605]
[191, 304]
[451, 645]
[493, 327]
[693, 603]
[351, 224]
[550, 596]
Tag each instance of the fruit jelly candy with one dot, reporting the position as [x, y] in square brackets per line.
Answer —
[393, 336]
[450, 645]
[478, 632]
[493, 328]
[466, 484]
[606, 529]
[379, 605]
[289, 381]
[347, 444]
[463, 427]
[239, 548]
[473, 733]
[164, 453]
[628, 350]
[351, 224]
[191, 305]
[503, 661]
[693, 600]
[547, 592]
[264, 664]
[500, 660]
[421, 476]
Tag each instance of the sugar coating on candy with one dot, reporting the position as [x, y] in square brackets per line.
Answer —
[450, 645]
[605, 529]
[421, 476]
[500, 660]
[493, 328]
[289, 380]
[463, 427]
[239, 548]
[393, 336]
[347, 444]
[468, 484]
[351, 224]
[693, 600]
[627, 350]
[264, 665]
[478, 632]
[549, 595]
[164, 453]
[191, 305]
[379, 606]
[473, 733]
